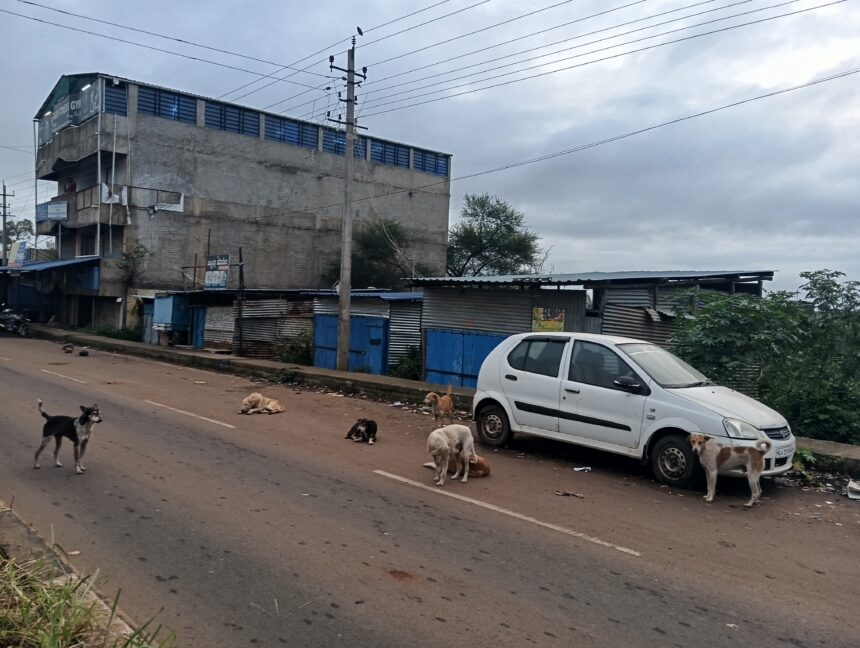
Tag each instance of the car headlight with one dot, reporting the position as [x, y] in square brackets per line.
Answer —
[738, 429]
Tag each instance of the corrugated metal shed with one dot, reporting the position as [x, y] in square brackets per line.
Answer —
[598, 278]
[268, 323]
[404, 329]
[636, 323]
[218, 331]
[493, 311]
[369, 306]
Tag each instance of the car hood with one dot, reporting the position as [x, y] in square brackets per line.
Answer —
[732, 404]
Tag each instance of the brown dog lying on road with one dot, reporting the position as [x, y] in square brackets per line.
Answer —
[256, 403]
[715, 457]
[480, 467]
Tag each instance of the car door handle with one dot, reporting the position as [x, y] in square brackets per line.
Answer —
[572, 390]
[511, 377]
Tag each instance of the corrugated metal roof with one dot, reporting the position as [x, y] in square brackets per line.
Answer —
[49, 265]
[591, 278]
[362, 294]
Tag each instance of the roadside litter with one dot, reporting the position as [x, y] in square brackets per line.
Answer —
[583, 469]
[853, 490]
[565, 493]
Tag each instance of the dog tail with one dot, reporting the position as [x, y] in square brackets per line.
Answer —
[449, 392]
[764, 445]
[41, 411]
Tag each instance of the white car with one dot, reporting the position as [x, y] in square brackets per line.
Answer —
[618, 394]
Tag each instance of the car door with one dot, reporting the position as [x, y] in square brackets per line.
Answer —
[593, 405]
[530, 377]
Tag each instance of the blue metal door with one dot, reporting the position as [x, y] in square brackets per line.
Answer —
[455, 357]
[198, 324]
[325, 341]
[368, 343]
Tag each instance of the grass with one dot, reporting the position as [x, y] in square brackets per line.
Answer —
[38, 612]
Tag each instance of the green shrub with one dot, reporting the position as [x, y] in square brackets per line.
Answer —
[298, 349]
[409, 366]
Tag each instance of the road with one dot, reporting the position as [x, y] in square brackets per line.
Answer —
[274, 530]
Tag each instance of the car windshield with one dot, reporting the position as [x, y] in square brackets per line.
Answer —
[668, 370]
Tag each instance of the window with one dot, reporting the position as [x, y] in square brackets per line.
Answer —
[169, 105]
[335, 142]
[595, 364]
[430, 162]
[293, 132]
[232, 119]
[87, 244]
[116, 98]
[540, 356]
[389, 153]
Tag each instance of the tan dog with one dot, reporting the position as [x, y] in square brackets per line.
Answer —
[715, 457]
[442, 406]
[256, 403]
[480, 468]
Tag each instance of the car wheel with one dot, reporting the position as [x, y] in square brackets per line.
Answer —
[493, 427]
[673, 461]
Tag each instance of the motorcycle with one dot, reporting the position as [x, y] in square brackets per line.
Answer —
[14, 322]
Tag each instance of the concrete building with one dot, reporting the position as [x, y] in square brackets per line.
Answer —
[189, 176]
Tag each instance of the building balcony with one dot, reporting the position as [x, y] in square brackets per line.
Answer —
[82, 209]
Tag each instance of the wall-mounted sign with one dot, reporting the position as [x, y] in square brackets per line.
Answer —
[52, 211]
[71, 110]
[547, 320]
[217, 271]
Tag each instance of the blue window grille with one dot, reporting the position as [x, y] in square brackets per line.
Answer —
[334, 141]
[232, 118]
[116, 99]
[293, 132]
[389, 153]
[430, 162]
[169, 105]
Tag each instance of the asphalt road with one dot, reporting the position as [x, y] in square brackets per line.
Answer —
[274, 530]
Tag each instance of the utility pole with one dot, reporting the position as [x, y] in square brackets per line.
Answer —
[3, 259]
[346, 227]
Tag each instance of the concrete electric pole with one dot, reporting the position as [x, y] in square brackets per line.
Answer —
[346, 227]
[4, 259]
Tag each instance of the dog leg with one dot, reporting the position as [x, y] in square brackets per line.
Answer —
[78, 470]
[57, 442]
[81, 456]
[752, 479]
[42, 446]
[712, 485]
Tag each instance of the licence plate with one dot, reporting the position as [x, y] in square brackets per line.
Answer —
[784, 452]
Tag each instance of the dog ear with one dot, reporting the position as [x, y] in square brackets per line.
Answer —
[707, 438]
[83, 408]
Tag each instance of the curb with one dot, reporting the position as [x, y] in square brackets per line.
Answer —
[19, 542]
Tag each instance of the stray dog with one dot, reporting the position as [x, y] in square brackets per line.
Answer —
[364, 430]
[715, 457]
[480, 468]
[439, 446]
[442, 406]
[462, 447]
[77, 430]
[256, 403]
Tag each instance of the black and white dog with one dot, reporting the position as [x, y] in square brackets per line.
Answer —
[77, 430]
[363, 430]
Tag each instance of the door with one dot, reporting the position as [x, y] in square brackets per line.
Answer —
[149, 334]
[455, 357]
[368, 343]
[198, 326]
[592, 405]
[530, 380]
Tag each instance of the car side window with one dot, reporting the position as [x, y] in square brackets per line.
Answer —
[538, 356]
[594, 364]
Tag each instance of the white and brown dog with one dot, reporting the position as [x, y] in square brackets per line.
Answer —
[715, 457]
[442, 406]
[256, 403]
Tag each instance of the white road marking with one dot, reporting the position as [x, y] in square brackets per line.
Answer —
[197, 416]
[5, 358]
[54, 373]
[514, 514]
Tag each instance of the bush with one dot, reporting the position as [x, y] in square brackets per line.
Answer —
[409, 366]
[298, 349]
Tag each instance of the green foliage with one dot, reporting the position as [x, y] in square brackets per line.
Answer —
[298, 349]
[380, 257]
[285, 377]
[491, 238]
[409, 366]
[17, 230]
[132, 334]
[805, 350]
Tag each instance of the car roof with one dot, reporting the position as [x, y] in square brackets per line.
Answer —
[593, 337]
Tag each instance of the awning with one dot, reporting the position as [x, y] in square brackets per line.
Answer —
[50, 265]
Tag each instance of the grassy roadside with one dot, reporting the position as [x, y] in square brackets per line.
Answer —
[39, 610]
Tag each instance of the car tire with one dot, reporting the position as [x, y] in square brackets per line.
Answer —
[494, 430]
[673, 461]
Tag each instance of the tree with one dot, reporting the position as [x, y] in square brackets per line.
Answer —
[131, 266]
[492, 239]
[21, 229]
[380, 257]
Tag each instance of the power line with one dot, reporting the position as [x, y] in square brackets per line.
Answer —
[263, 87]
[607, 140]
[149, 47]
[605, 58]
[599, 40]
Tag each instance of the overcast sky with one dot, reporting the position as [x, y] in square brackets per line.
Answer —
[773, 184]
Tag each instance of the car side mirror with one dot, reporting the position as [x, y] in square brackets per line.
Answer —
[628, 384]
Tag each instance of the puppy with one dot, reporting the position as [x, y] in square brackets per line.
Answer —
[364, 430]
[442, 406]
[462, 448]
[481, 467]
[76, 429]
[715, 457]
[256, 403]
[439, 447]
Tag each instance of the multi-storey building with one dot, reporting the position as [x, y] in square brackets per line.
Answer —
[188, 176]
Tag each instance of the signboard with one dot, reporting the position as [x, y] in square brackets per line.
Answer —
[217, 269]
[18, 254]
[547, 320]
[52, 211]
[73, 109]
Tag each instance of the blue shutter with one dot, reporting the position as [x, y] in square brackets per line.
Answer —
[309, 136]
[186, 109]
[250, 123]
[402, 156]
[359, 149]
[213, 115]
[334, 141]
[231, 119]
[146, 101]
[116, 99]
